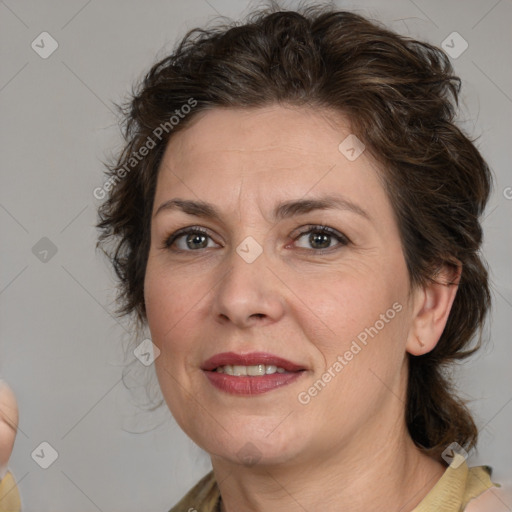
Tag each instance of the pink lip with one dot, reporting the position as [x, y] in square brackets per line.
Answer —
[249, 360]
[250, 385]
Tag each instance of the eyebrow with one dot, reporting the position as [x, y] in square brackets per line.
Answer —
[282, 211]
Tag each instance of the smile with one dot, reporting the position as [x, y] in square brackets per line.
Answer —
[250, 374]
[256, 370]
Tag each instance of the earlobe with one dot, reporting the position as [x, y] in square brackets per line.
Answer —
[433, 303]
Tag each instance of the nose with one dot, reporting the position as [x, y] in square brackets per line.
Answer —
[250, 294]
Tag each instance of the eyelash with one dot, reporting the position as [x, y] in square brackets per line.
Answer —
[313, 228]
[185, 231]
[324, 230]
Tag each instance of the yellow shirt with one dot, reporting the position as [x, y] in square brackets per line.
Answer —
[9, 496]
[452, 492]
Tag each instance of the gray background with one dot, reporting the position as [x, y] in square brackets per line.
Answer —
[61, 351]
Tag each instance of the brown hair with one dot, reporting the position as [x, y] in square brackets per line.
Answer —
[400, 97]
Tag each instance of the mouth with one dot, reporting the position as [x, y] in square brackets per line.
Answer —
[254, 364]
[250, 374]
[256, 370]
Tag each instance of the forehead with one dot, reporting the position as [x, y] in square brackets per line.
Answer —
[281, 133]
[264, 153]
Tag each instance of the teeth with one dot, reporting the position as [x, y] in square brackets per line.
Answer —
[271, 369]
[256, 370]
[239, 370]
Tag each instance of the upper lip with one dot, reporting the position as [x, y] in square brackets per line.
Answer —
[253, 358]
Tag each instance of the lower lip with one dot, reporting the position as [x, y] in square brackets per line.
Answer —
[251, 385]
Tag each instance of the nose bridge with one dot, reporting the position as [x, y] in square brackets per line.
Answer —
[248, 292]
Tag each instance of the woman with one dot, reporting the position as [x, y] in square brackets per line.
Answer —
[295, 216]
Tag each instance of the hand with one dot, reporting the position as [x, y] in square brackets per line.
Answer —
[8, 425]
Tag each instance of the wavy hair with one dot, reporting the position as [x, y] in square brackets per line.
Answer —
[400, 96]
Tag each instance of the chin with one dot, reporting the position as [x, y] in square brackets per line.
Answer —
[251, 448]
[251, 455]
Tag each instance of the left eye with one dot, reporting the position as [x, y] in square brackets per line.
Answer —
[320, 238]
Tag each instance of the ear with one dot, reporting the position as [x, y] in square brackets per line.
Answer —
[432, 304]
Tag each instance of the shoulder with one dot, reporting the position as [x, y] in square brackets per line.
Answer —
[203, 497]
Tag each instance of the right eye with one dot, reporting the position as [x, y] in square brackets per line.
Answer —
[189, 239]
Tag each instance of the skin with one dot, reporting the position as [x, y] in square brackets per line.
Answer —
[492, 500]
[8, 424]
[349, 444]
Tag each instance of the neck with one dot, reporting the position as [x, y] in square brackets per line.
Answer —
[361, 476]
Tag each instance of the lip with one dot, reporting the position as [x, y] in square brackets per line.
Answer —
[253, 358]
[247, 386]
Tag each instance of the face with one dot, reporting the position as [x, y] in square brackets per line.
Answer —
[297, 255]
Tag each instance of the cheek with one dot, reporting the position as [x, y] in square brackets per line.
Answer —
[358, 337]
[367, 320]
[342, 305]
[358, 333]
[176, 310]
[166, 311]
[165, 304]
